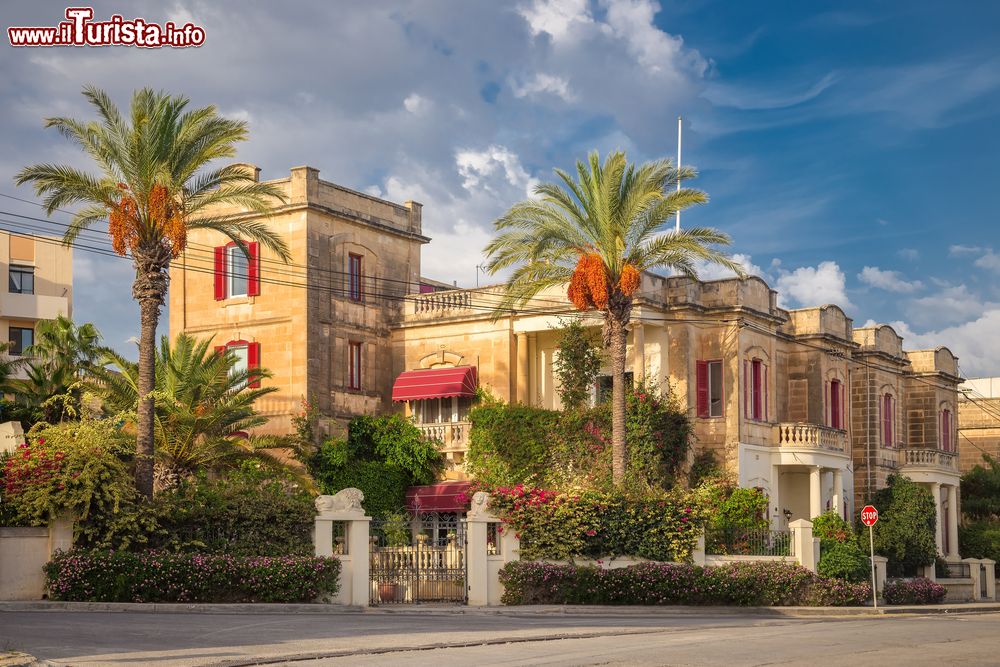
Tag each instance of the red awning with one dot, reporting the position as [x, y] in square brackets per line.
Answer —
[435, 383]
[441, 497]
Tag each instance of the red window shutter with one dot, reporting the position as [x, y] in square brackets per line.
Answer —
[826, 402]
[220, 272]
[253, 271]
[765, 393]
[756, 379]
[701, 388]
[253, 362]
[746, 388]
[220, 349]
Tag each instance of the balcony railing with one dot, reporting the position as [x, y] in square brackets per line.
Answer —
[453, 436]
[812, 436]
[930, 458]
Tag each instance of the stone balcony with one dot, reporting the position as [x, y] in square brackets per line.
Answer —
[810, 436]
[33, 306]
[453, 436]
[933, 459]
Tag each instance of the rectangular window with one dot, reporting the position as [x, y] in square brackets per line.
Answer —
[493, 532]
[355, 292]
[946, 430]
[238, 272]
[709, 389]
[756, 389]
[21, 338]
[605, 386]
[836, 415]
[22, 280]
[354, 366]
[888, 419]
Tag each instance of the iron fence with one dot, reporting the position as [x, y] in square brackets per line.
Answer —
[945, 570]
[738, 541]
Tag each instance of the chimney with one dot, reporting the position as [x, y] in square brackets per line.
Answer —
[305, 184]
[415, 215]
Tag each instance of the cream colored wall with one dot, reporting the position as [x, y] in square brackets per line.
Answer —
[53, 294]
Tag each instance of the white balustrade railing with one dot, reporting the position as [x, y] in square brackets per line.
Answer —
[812, 436]
[451, 435]
[934, 458]
[441, 302]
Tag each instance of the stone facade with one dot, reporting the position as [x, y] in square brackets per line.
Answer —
[39, 284]
[308, 318]
[979, 421]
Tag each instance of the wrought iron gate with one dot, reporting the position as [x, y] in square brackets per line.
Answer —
[419, 558]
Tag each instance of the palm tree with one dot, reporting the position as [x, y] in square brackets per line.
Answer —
[598, 234]
[203, 410]
[151, 189]
[9, 366]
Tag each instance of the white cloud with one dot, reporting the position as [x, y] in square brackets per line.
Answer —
[989, 261]
[708, 271]
[556, 17]
[951, 305]
[891, 281]
[975, 343]
[809, 286]
[416, 104]
[964, 250]
[911, 254]
[632, 21]
[476, 167]
[542, 83]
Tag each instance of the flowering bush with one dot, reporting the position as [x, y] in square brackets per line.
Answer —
[664, 526]
[158, 576]
[919, 590]
[77, 468]
[740, 584]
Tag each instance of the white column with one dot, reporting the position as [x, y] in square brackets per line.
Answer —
[815, 492]
[936, 492]
[522, 368]
[837, 502]
[953, 520]
[638, 352]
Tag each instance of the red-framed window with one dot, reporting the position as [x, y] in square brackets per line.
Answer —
[354, 366]
[888, 408]
[247, 357]
[355, 274]
[946, 443]
[710, 394]
[237, 272]
[836, 404]
[755, 389]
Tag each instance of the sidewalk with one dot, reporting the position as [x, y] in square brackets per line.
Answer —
[528, 610]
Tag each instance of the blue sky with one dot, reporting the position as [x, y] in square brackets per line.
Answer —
[848, 148]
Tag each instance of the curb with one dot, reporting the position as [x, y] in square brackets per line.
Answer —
[516, 611]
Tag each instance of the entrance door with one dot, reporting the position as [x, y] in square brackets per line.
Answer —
[418, 558]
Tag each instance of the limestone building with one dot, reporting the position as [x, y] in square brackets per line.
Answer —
[320, 323]
[979, 421]
[39, 286]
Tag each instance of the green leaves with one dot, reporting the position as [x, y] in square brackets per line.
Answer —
[905, 531]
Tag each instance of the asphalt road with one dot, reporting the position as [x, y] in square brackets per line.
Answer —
[428, 638]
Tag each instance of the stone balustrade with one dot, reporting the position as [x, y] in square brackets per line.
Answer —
[453, 436]
[812, 436]
[440, 303]
[930, 458]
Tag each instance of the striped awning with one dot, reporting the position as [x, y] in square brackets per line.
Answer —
[440, 497]
[435, 383]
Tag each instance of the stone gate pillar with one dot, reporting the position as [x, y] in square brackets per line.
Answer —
[490, 546]
[350, 546]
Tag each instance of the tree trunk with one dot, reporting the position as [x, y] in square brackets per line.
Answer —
[616, 340]
[149, 289]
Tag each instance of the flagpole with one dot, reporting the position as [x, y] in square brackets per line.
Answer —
[677, 224]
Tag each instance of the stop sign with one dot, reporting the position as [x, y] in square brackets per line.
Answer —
[869, 516]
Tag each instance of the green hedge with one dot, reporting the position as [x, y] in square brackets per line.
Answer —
[663, 527]
[158, 576]
[740, 584]
[980, 540]
[913, 591]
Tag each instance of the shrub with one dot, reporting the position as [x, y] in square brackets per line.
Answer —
[577, 364]
[516, 444]
[156, 576]
[844, 560]
[741, 584]
[980, 540]
[382, 456]
[913, 591]
[905, 532]
[981, 490]
[76, 468]
[664, 526]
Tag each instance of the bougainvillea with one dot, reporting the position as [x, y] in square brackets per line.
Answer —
[159, 576]
[162, 212]
[918, 590]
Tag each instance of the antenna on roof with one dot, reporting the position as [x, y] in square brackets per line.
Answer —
[680, 122]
